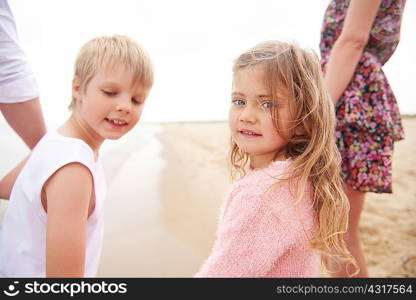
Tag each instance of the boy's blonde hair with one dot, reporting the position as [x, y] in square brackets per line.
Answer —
[312, 149]
[106, 52]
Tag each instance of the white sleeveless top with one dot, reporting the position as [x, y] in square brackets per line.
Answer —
[23, 232]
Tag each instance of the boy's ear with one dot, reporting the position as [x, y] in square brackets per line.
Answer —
[76, 88]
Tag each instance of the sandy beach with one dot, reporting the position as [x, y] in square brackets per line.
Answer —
[166, 183]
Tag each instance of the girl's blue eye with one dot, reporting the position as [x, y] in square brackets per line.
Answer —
[266, 105]
[238, 102]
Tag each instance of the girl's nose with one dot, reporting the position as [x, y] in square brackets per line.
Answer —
[248, 115]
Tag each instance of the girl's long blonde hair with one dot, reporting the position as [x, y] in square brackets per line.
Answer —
[315, 157]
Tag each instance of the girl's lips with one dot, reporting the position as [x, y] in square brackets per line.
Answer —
[249, 133]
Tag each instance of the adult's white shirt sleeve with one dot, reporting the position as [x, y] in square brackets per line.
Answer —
[17, 81]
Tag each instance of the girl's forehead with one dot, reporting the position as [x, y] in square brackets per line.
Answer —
[251, 70]
[256, 80]
[249, 77]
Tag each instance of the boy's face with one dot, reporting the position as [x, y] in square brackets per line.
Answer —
[110, 105]
[250, 120]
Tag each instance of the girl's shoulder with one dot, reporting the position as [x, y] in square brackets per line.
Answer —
[258, 181]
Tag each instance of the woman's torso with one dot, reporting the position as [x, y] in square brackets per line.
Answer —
[385, 31]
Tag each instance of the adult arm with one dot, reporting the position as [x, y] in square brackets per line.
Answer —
[349, 46]
[7, 182]
[18, 92]
[26, 119]
[68, 193]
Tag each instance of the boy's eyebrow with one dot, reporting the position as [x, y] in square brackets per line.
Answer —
[111, 82]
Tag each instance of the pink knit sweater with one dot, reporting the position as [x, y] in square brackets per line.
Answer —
[262, 236]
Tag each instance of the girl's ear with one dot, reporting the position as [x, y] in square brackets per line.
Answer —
[76, 88]
[299, 130]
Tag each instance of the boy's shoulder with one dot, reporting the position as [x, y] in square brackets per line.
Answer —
[53, 152]
[54, 146]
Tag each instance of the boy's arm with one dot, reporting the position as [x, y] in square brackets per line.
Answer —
[68, 194]
[7, 182]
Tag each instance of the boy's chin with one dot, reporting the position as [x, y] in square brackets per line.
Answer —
[113, 136]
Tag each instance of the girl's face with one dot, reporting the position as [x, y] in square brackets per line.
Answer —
[110, 106]
[250, 118]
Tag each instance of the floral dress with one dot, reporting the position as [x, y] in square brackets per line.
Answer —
[368, 117]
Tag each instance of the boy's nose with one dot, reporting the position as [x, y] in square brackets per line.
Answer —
[124, 105]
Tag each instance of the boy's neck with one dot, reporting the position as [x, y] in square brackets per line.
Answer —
[74, 127]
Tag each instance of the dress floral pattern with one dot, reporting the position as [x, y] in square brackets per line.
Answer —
[368, 117]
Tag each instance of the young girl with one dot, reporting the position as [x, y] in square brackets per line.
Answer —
[54, 221]
[287, 205]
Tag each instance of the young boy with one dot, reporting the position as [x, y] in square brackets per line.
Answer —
[54, 221]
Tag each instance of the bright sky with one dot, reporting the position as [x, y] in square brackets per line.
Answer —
[192, 44]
